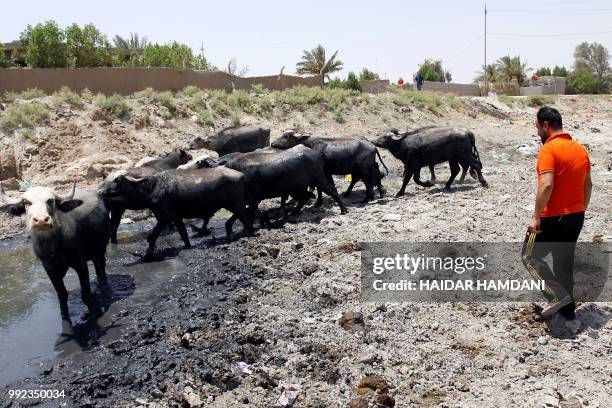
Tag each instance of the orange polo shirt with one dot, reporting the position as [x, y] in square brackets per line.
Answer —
[569, 160]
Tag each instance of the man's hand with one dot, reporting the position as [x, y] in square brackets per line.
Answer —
[534, 225]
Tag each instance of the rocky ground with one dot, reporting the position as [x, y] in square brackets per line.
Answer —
[277, 319]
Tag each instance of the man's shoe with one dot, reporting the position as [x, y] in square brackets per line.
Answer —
[568, 311]
[551, 310]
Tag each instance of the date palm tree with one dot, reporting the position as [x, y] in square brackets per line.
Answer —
[134, 42]
[314, 62]
[511, 68]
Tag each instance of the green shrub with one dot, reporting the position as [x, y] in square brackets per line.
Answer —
[506, 100]
[145, 93]
[205, 117]
[189, 91]
[339, 115]
[336, 83]
[25, 133]
[30, 93]
[65, 95]
[539, 100]
[258, 89]
[46, 46]
[165, 99]
[25, 115]
[420, 99]
[115, 104]
[236, 120]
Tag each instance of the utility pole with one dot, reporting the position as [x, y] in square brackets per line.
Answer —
[485, 44]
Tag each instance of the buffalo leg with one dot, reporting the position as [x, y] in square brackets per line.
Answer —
[239, 212]
[180, 226]
[417, 179]
[454, 168]
[407, 176]
[329, 189]
[153, 235]
[100, 267]
[476, 167]
[57, 280]
[369, 181]
[115, 217]
[432, 180]
[349, 190]
[302, 200]
[204, 230]
[86, 295]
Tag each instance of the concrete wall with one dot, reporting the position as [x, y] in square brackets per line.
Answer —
[129, 80]
[458, 89]
[500, 88]
[375, 86]
[545, 86]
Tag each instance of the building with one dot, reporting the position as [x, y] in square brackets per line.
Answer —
[546, 85]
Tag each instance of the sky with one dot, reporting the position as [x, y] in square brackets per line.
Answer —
[390, 37]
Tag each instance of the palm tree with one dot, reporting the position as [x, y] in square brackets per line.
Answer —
[233, 69]
[314, 62]
[135, 42]
[511, 68]
[491, 74]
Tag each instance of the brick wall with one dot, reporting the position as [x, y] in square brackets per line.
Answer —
[375, 86]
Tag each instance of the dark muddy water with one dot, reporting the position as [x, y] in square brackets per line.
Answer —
[31, 330]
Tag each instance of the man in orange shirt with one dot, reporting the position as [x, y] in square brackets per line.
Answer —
[564, 191]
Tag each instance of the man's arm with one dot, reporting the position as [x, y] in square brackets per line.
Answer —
[545, 188]
[588, 187]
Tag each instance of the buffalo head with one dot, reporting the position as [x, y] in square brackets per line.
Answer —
[389, 140]
[40, 205]
[288, 140]
[120, 187]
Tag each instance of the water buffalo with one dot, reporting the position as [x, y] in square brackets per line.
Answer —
[354, 155]
[280, 173]
[145, 167]
[173, 195]
[464, 167]
[430, 146]
[234, 139]
[67, 231]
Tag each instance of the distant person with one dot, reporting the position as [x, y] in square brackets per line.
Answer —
[564, 192]
[419, 81]
[400, 81]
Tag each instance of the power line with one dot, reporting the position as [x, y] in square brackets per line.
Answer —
[552, 10]
[550, 34]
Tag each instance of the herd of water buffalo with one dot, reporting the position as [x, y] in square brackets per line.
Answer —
[69, 230]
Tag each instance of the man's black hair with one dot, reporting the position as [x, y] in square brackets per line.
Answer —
[550, 115]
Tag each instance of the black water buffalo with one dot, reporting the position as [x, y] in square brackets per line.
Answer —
[464, 167]
[173, 195]
[233, 139]
[144, 168]
[430, 146]
[67, 231]
[280, 173]
[354, 155]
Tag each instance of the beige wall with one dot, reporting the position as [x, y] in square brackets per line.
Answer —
[458, 89]
[129, 80]
[375, 86]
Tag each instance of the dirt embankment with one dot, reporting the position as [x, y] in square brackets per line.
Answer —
[265, 320]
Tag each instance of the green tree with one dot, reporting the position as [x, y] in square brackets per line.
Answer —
[366, 75]
[352, 82]
[490, 76]
[202, 63]
[582, 81]
[560, 71]
[45, 45]
[595, 58]
[87, 46]
[3, 61]
[432, 70]
[511, 69]
[175, 55]
[314, 62]
[544, 71]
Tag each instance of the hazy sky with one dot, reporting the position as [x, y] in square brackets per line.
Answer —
[390, 37]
